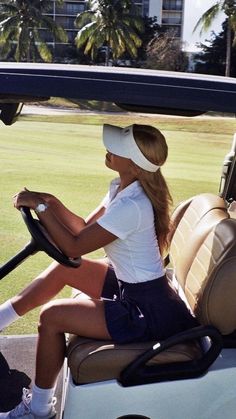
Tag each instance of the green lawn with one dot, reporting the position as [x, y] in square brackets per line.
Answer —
[65, 156]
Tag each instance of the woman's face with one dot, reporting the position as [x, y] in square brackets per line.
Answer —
[117, 163]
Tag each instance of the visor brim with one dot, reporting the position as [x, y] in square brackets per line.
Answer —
[114, 141]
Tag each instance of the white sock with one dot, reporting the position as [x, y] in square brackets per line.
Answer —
[41, 401]
[7, 314]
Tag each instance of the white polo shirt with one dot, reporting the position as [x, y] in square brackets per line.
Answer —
[129, 215]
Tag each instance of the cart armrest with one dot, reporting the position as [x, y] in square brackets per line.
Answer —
[138, 372]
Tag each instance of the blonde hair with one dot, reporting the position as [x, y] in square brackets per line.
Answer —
[153, 145]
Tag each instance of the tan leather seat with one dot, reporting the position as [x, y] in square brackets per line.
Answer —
[92, 360]
[203, 257]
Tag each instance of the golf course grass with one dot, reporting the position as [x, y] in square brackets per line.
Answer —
[64, 155]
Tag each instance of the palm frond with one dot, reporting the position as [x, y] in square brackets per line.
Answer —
[208, 17]
[117, 44]
[42, 49]
[131, 33]
[129, 43]
[84, 33]
[58, 32]
[7, 9]
[99, 39]
[84, 18]
[44, 52]
[5, 48]
[9, 23]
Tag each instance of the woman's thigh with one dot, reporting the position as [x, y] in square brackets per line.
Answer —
[89, 278]
[84, 317]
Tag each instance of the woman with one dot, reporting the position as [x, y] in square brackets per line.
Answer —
[127, 295]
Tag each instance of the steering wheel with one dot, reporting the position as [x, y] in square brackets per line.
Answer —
[43, 241]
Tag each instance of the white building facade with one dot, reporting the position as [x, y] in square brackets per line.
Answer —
[169, 13]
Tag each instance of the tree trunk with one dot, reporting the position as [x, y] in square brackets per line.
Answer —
[106, 56]
[228, 49]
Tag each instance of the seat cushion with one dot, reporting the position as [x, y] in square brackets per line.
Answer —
[94, 360]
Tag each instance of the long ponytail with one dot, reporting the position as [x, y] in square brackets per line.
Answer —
[153, 145]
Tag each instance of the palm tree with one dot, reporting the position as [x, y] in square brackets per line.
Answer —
[229, 8]
[22, 26]
[113, 24]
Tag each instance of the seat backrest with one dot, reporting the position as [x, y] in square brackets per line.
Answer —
[203, 256]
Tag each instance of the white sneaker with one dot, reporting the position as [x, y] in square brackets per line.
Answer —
[23, 410]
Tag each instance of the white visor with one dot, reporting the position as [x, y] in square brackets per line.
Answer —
[121, 142]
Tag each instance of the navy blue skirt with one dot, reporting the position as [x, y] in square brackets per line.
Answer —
[144, 311]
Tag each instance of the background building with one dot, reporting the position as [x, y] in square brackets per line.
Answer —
[169, 13]
[172, 15]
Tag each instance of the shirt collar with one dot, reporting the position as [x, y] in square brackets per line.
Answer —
[130, 190]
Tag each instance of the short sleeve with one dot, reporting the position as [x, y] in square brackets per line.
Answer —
[105, 200]
[121, 218]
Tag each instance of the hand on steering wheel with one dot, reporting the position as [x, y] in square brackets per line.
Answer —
[43, 240]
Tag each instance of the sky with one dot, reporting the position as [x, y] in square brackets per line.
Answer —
[193, 11]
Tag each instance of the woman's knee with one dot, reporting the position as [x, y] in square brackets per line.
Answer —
[49, 315]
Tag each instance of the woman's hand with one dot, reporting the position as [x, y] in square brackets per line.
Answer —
[31, 199]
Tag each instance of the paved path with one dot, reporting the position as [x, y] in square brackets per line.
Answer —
[19, 352]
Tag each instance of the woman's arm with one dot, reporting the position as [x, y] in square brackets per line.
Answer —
[90, 238]
[85, 239]
[71, 221]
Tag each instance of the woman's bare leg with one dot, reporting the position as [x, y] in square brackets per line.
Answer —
[88, 278]
[85, 318]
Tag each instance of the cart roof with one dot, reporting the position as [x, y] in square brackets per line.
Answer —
[132, 89]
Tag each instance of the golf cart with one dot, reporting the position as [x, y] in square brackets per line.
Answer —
[191, 374]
